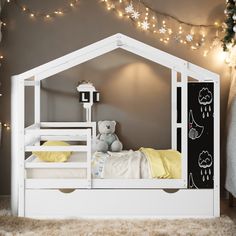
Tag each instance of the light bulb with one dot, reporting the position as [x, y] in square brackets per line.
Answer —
[234, 28]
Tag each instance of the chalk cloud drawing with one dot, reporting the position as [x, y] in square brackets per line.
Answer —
[205, 100]
[191, 181]
[195, 130]
[205, 162]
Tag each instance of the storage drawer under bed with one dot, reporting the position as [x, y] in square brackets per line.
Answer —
[117, 203]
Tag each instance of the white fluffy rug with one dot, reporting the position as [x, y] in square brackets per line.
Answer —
[10, 225]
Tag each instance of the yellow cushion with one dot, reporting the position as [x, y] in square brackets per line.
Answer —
[53, 156]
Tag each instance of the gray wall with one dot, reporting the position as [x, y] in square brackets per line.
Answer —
[135, 92]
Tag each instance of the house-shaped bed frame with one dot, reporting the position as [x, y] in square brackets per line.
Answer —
[102, 197]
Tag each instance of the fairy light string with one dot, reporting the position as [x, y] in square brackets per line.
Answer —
[167, 27]
[46, 15]
[42, 15]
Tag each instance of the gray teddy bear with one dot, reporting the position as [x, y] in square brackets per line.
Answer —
[107, 140]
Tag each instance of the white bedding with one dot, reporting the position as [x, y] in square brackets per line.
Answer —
[68, 173]
[125, 164]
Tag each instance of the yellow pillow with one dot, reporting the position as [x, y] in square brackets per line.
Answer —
[53, 156]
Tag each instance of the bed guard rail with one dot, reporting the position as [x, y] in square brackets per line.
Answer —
[63, 134]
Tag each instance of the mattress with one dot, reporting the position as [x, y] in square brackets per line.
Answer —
[126, 164]
[51, 173]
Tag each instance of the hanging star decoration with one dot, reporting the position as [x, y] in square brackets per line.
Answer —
[135, 15]
[145, 25]
[129, 8]
[149, 19]
[165, 26]
[189, 37]
[162, 30]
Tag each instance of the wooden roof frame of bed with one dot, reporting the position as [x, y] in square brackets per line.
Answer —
[175, 64]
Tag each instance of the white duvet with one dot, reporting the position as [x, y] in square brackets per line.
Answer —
[126, 164]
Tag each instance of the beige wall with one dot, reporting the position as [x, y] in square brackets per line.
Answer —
[134, 91]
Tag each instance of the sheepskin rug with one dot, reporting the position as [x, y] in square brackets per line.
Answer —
[10, 225]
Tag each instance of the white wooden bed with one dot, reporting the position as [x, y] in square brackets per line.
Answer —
[87, 197]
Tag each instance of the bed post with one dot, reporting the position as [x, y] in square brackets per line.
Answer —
[173, 109]
[183, 84]
[21, 142]
[17, 148]
[217, 147]
[184, 121]
[37, 88]
[14, 146]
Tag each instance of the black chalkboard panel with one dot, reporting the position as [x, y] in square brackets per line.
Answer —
[200, 135]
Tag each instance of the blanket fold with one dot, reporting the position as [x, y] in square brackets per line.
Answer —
[126, 165]
[164, 164]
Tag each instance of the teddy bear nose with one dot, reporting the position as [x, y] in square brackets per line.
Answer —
[108, 126]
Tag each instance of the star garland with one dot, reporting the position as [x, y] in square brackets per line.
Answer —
[165, 26]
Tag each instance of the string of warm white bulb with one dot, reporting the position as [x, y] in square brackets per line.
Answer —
[167, 27]
[35, 14]
[164, 26]
[6, 126]
[46, 15]
[39, 15]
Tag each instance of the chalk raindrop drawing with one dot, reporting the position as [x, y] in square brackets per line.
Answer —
[205, 162]
[205, 100]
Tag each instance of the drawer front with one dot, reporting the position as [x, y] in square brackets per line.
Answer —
[118, 203]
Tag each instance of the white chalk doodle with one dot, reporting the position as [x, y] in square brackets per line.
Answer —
[191, 181]
[205, 162]
[195, 130]
[205, 100]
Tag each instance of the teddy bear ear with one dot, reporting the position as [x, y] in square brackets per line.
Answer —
[99, 122]
[113, 122]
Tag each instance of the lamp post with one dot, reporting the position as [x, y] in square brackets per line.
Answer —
[88, 95]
